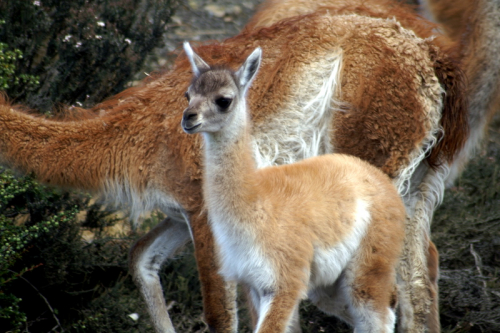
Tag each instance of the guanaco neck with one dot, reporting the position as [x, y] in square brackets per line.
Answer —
[230, 166]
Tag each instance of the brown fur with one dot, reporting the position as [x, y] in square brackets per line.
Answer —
[474, 26]
[300, 213]
[445, 64]
[451, 15]
[453, 121]
[134, 140]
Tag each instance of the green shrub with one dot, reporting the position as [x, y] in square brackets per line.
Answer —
[8, 78]
[16, 239]
[82, 51]
[50, 277]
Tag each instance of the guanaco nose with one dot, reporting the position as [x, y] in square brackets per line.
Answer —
[189, 115]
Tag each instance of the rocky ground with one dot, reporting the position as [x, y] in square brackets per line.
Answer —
[202, 20]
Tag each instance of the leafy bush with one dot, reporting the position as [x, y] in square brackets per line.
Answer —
[50, 277]
[7, 70]
[82, 51]
[16, 238]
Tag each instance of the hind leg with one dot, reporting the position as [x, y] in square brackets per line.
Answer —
[433, 323]
[371, 281]
[145, 260]
[373, 303]
[333, 300]
[369, 320]
[361, 307]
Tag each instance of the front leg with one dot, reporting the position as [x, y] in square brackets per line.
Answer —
[145, 260]
[277, 311]
[219, 296]
[294, 325]
[413, 284]
[418, 268]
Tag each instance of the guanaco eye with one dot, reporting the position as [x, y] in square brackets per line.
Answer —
[223, 102]
[186, 95]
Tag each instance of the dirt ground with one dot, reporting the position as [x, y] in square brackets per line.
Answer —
[202, 20]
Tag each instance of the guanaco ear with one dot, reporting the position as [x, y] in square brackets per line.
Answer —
[197, 64]
[249, 69]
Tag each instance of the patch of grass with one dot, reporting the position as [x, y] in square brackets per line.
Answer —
[466, 230]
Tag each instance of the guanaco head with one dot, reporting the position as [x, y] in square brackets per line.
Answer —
[216, 94]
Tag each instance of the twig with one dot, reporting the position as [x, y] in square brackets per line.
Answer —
[479, 264]
[54, 328]
[477, 259]
[46, 302]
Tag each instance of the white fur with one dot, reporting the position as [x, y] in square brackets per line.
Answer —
[241, 257]
[263, 303]
[301, 130]
[368, 316]
[412, 273]
[160, 250]
[122, 194]
[245, 253]
[334, 299]
[300, 133]
[328, 264]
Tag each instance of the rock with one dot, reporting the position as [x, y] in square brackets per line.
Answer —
[221, 11]
[216, 10]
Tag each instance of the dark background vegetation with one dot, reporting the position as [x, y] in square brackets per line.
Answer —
[63, 264]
